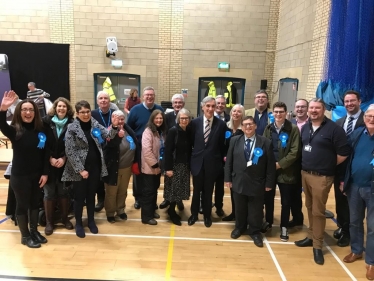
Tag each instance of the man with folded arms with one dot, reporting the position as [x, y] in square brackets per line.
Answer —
[324, 145]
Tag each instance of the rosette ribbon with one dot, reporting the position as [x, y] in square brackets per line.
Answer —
[97, 134]
[227, 134]
[271, 117]
[283, 138]
[42, 138]
[257, 153]
[131, 141]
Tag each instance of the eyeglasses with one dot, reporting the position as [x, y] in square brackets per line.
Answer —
[184, 118]
[279, 112]
[369, 116]
[27, 110]
[84, 112]
[248, 125]
[261, 97]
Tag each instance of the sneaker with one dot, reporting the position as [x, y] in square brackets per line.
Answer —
[284, 234]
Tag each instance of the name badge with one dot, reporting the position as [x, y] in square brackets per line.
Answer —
[307, 148]
[249, 163]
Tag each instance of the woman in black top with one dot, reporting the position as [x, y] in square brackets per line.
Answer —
[85, 164]
[55, 123]
[29, 164]
[177, 164]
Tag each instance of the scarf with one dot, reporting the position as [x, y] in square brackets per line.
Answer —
[60, 123]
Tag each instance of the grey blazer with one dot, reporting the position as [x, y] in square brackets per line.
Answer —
[76, 149]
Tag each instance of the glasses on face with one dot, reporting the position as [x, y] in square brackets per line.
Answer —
[184, 118]
[178, 102]
[261, 97]
[369, 116]
[250, 125]
[279, 112]
[27, 110]
[84, 112]
[300, 106]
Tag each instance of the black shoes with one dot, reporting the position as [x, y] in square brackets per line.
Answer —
[192, 219]
[338, 233]
[92, 227]
[164, 204]
[99, 206]
[79, 231]
[236, 233]
[293, 223]
[306, 242]
[180, 205]
[230, 217]
[265, 227]
[123, 216]
[37, 237]
[110, 219]
[156, 216]
[257, 239]
[207, 222]
[137, 204]
[220, 212]
[318, 256]
[29, 242]
[344, 240]
[150, 222]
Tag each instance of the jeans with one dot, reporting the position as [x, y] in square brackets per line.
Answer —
[360, 198]
[287, 192]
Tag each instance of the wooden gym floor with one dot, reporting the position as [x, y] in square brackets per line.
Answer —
[129, 250]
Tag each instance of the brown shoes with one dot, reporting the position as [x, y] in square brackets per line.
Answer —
[352, 257]
[370, 272]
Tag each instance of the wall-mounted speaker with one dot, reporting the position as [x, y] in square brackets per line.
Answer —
[264, 84]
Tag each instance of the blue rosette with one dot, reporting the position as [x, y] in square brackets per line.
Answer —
[97, 134]
[131, 141]
[227, 134]
[372, 162]
[271, 117]
[257, 153]
[42, 139]
[283, 137]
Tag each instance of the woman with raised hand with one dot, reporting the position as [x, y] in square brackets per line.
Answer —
[55, 123]
[177, 164]
[153, 140]
[85, 162]
[29, 165]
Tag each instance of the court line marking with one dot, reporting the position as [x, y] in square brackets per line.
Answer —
[341, 263]
[170, 253]
[280, 271]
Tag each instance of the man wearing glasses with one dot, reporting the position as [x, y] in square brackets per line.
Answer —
[260, 111]
[353, 120]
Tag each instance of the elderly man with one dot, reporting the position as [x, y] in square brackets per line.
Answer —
[177, 101]
[37, 96]
[208, 140]
[250, 172]
[137, 120]
[103, 115]
[358, 185]
[220, 109]
[260, 112]
[353, 120]
[324, 146]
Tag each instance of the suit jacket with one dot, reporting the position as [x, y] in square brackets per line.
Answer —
[360, 121]
[213, 152]
[227, 117]
[252, 180]
[170, 119]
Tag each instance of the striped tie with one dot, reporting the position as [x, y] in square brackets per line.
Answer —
[350, 125]
[206, 131]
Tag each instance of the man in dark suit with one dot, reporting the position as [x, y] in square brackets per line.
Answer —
[353, 120]
[220, 109]
[208, 140]
[250, 172]
[177, 102]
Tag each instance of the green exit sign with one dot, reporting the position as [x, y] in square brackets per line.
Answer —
[224, 65]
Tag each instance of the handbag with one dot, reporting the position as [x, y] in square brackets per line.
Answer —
[135, 168]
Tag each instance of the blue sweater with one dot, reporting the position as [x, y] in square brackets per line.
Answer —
[138, 118]
[361, 170]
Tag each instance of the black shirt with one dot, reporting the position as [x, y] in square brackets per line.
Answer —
[328, 141]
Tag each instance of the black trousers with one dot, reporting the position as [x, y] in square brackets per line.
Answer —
[288, 193]
[11, 203]
[248, 211]
[341, 207]
[232, 202]
[137, 186]
[148, 201]
[84, 191]
[27, 192]
[269, 205]
[203, 182]
[219, 191]
[100, 191]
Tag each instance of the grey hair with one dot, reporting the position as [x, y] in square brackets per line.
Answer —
[318, 100]
[220, 97]
[177, 96]
[101, 93]
[31, 83]
[207, 99]
[230, 124]
[183, 111]
[118, 113]
[149, 88]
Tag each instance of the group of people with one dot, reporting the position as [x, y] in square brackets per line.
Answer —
[249, 151]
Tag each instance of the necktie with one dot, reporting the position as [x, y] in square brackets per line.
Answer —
[206, 131]
[350, 125]
[247, 149]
